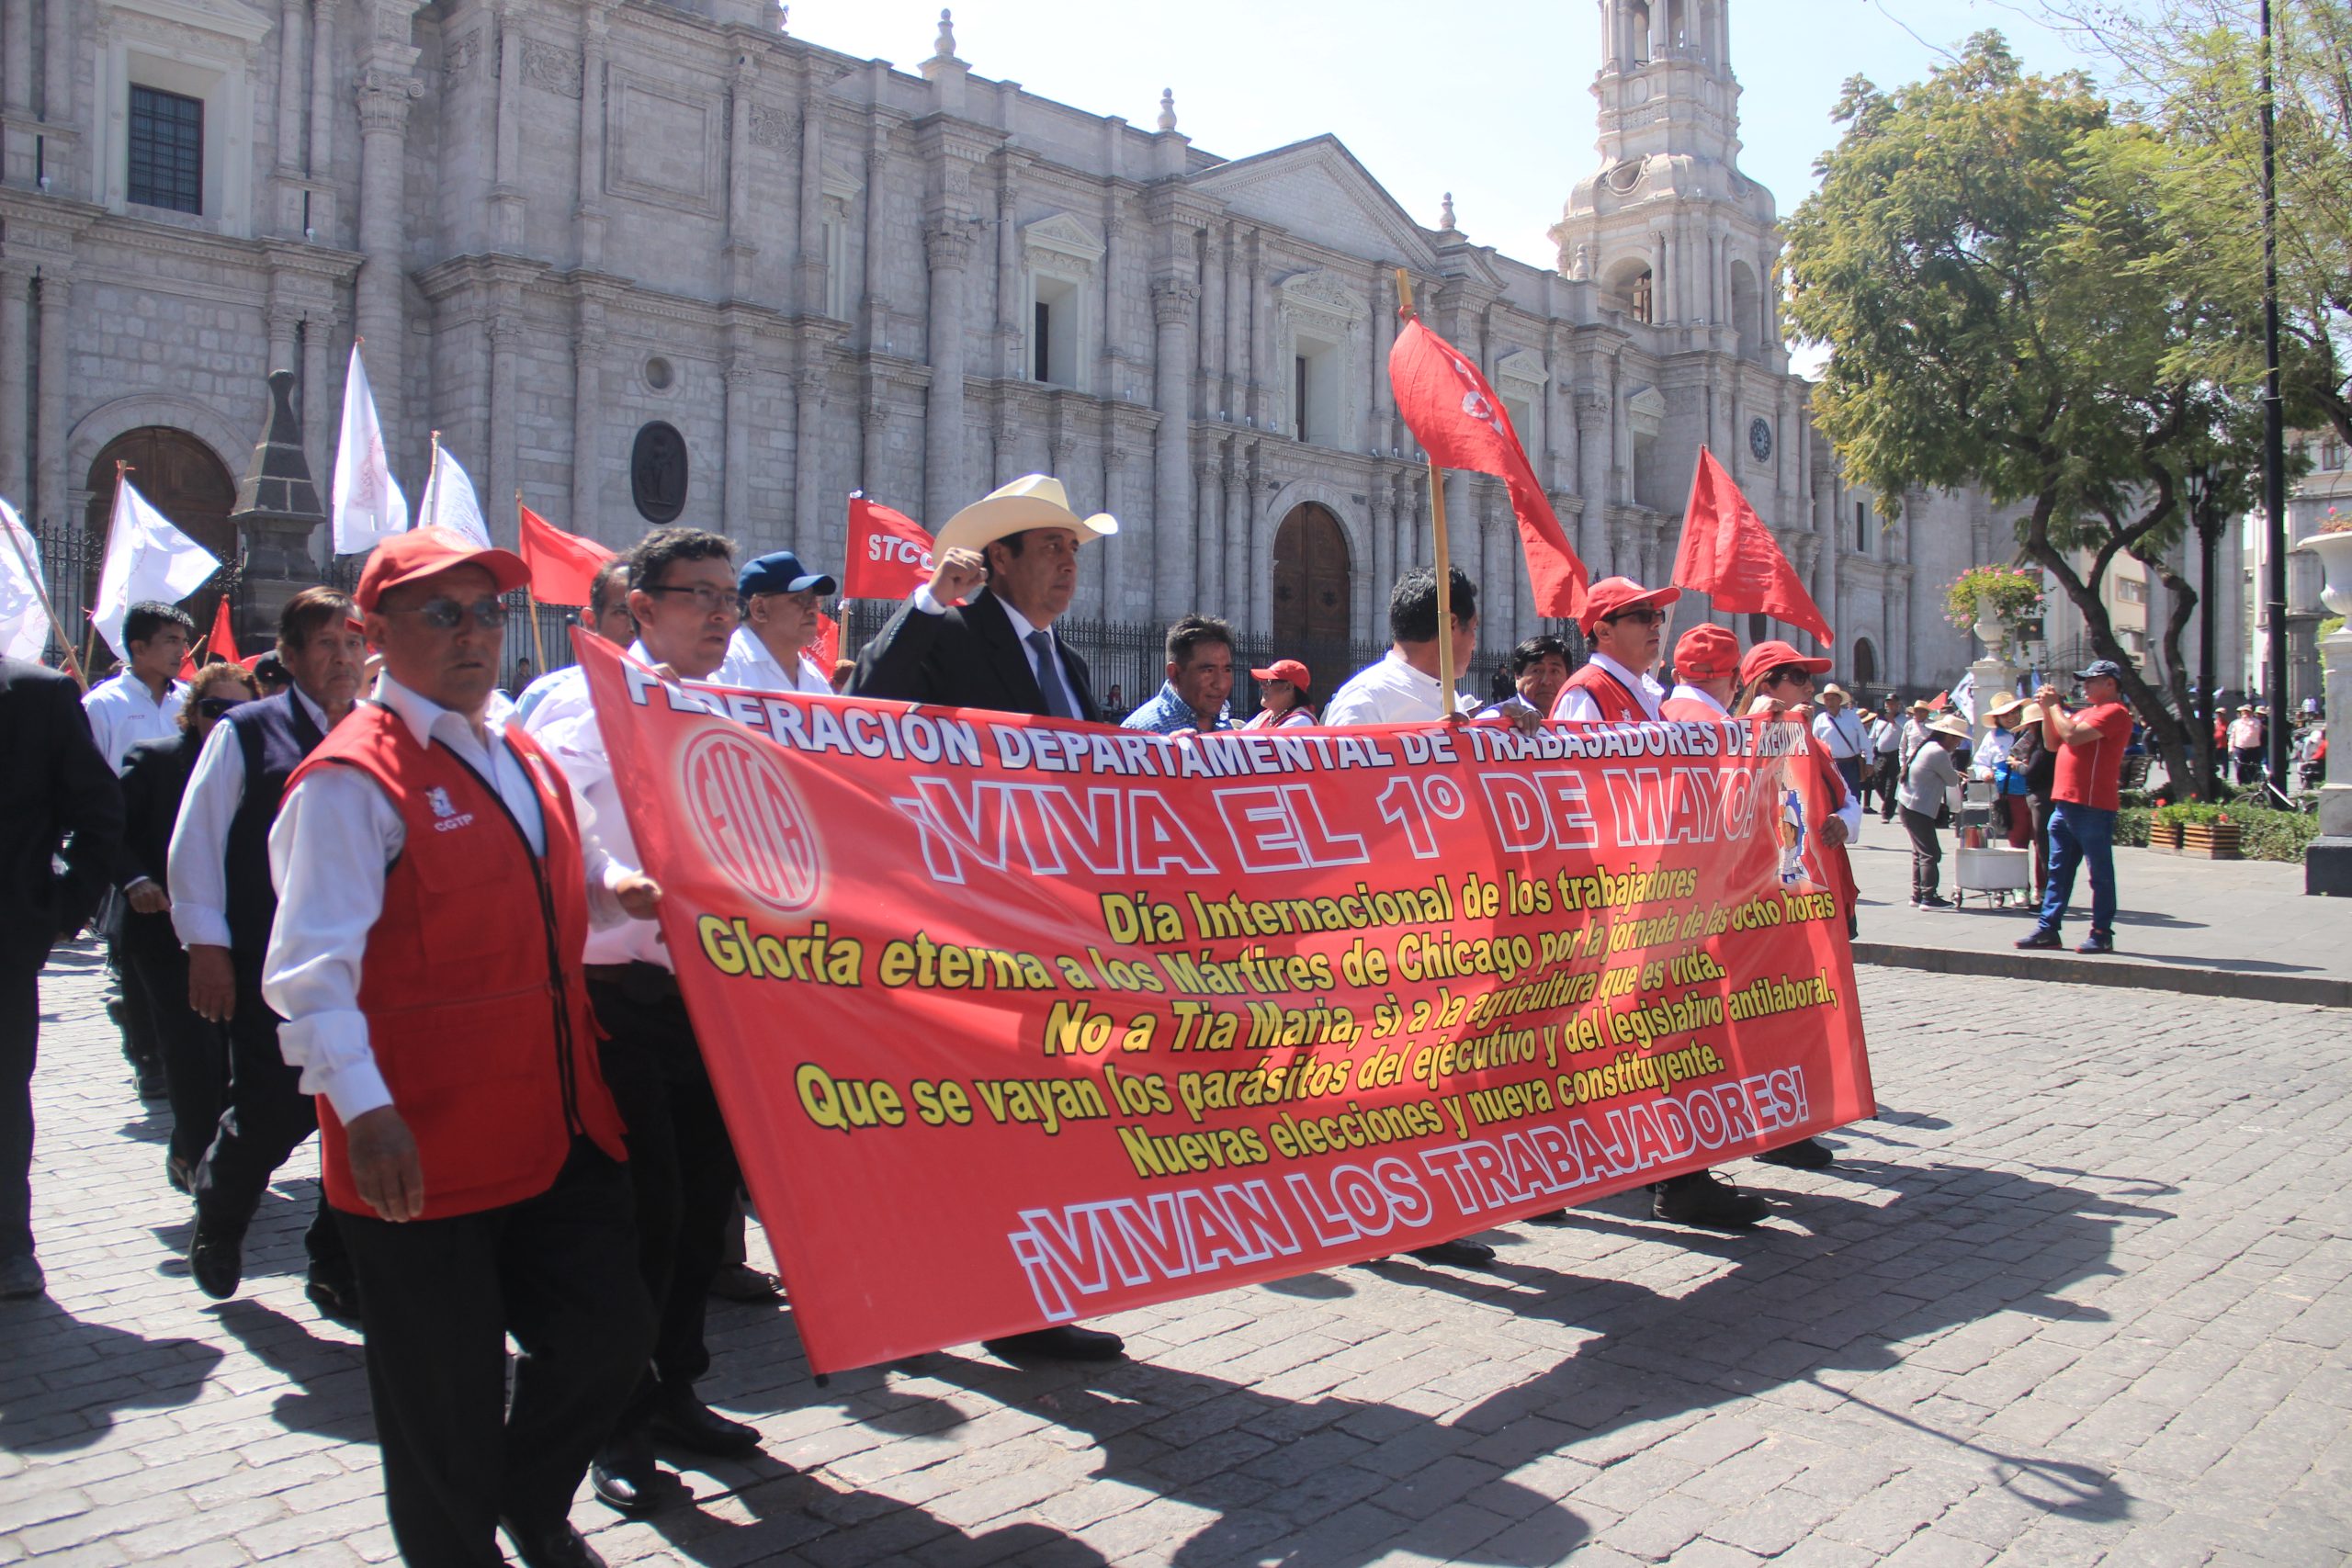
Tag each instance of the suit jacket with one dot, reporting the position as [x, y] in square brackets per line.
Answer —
[154, 779]
[54, 790]
[967, 658]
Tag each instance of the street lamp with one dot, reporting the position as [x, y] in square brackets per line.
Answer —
[2274, 434]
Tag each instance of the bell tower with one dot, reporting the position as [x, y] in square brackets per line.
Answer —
[1668, 228]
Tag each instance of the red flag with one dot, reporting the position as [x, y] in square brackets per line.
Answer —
[561, 564]
[889, 553]
[1728, 554]
[1461, 422]
[825, 647]
[223, 643]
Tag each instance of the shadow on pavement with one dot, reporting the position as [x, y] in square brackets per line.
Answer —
[97, 1372]
[331, 1376]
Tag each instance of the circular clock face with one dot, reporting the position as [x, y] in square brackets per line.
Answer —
[1759, 439]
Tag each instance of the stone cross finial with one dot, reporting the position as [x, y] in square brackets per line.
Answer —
[944, 48]
[1445, 214]
[1166, 109]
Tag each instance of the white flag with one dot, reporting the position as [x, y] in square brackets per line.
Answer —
[1963, 696]
[24, 624]
[368, 505]
[146, 558]
[449, 500]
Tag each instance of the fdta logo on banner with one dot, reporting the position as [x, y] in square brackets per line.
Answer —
[751, 824]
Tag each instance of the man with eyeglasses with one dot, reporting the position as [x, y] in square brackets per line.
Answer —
[684, 596]
[223, 904]
[437, 896]
[782, 599]
[1624, 627]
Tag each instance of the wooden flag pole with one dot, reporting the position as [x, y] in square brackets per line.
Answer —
[41, 591]
[531, 605]
[1443, 562]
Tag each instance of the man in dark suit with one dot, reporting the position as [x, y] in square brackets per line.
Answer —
[56, 789]
[999, 653]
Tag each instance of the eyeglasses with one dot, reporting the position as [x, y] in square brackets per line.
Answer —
[213, 708]
[709, 601]
[447, 615]
[1645, 617]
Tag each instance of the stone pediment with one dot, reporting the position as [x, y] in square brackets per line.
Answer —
[1063, 235]
[1326, 292]
[223, 19]
[1316, 190]
[1522, 365]
[1646, 409]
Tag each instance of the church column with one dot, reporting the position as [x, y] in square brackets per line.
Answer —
[809, 241]
[808, 530]
[588, 207]
[16, 378]
[1172, 550]
[318, 160]
[1212, 334]
[1233, 394]
[506, 414]
[1383, 338]
[874, 430]
[291, 17]
[1209, 536]
[735, 502]
[1382, 519]
[946, 247]
[1244, 568]
[741, 250]
[57, 64]
[1107, 374]
[1668, 293]
[1496, 602]
[321, 397]
[506, 194]
[1011, 330]
[1259, 339]
[874, 307]
[48, 417]
[384, 100]
[16, 76]
[1592, 481]
[587, 402]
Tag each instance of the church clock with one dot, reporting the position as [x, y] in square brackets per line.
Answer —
[1759, 439]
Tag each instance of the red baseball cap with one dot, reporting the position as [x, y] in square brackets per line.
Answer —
[1770, 655]
[1289, 669]
[423, 552]
[1615, 595]
[1706, 652]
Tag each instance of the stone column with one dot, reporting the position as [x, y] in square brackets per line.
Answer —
[588, 206]
[807, 533]
[319, 158]
[947, 245]
[810, 290]
[587, 403]
[291, 14]
[1174, 549]
[17, 63]
[1383, 518]
[1208, 538]
[874, 307]
[1107, 374]
[1244, 572]
[1383, 338]
[1592, 483]
[874, 430]
[379, 316]
[1233, 390]
[1011, 330]
[735, 506]
[49, 418]
[506, 414]
[321, 399]
[1212, 337]
[740, 251]
[16, 378]
[506, 197]
[1258, 349]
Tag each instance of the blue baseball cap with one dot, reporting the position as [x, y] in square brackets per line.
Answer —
[2097, 668]
[780, 571]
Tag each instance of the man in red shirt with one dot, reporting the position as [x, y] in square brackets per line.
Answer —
[2090, 745]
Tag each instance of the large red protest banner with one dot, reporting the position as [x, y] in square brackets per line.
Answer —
[1017, 1021]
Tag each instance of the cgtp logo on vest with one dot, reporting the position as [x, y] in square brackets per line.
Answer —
[445, 814]
[751, 824]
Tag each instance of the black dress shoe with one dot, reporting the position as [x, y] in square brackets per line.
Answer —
[680, 1417]
[623, 1474]
[336, 1295]
[1066, 1343]
[216, 1260]
[1707, 1201]
[741, 1282]
[152, 1083]
[1459, 1254]
[559, 1547]
[20, 1278]
[1806, 1153]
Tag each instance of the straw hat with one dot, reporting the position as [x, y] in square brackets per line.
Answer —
[2029, 713]
[2002, 703]
[1950, 725]
[1032, 501]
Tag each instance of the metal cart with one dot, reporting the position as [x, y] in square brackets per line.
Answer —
[1994, 872]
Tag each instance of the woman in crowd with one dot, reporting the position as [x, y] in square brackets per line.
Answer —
[1926, 799]
[1286, 683]
[2035, 766]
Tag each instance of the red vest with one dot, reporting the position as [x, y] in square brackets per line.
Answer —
[1608, 693]
[476, 1007]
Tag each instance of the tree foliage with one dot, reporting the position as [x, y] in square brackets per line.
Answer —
[1987, 256]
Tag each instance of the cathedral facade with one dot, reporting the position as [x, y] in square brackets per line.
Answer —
[639, 262]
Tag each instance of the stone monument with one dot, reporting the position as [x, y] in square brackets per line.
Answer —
[276, 512]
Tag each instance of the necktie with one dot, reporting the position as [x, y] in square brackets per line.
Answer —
[1049, 680]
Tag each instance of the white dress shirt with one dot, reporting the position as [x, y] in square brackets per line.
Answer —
[1686, 692]
[1391, 691]
[123, 712]
[1578, 703]
[1840, 732]
[751, 666]
[197, 871]
[565, 724]
[1991, 750]
[922, 601]
[335, 837]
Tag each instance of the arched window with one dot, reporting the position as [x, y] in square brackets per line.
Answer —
[1865, 665]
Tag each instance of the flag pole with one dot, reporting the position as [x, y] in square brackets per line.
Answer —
[531, 605]
[122, 470]
[41, 591]
[1437, 516]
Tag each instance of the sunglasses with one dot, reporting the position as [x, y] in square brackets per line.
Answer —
[1645, 617]
[213, 708]
[447, 615]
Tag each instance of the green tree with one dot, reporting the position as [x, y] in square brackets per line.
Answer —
[1986, 258]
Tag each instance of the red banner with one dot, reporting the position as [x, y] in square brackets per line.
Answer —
[1019, 1022]
[889, 553]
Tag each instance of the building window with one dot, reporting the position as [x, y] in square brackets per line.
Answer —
[166, 150]
[1314, 393]
[2130, 590]
[1861, 527]
[1053, 332]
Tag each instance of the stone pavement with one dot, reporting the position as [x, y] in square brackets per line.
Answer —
[2076, 1296]
[2220, 927]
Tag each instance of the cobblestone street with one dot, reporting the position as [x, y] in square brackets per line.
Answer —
[2076, 1296]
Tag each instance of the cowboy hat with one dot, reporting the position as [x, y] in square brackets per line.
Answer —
[2002, 703]
[1032, 501]
[1952, 724]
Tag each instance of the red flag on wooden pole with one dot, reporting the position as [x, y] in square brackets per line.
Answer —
[890, 552]
[223, 641]
[1728, 554]
[561, 564]
[1457, 418]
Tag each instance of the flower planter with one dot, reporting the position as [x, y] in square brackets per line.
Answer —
[2334, 552]
[2165, 838]
[2211, 841]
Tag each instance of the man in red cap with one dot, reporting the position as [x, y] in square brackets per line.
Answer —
[1706, 672]
[1624, 627]
[433, 902]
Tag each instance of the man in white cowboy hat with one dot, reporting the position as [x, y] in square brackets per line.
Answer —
[1840, 731]
[1014, 552]
[1013, 556]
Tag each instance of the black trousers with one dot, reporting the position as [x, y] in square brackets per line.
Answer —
[1927, 853]
[681, 1161]
[1890, 781]
[19, 1043]
[438, 1298]
[266, 1119]
[195, 1051]
[140, 1047]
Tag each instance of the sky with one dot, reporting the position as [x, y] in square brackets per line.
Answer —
[1490, 100]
